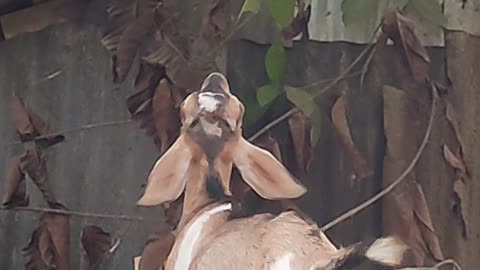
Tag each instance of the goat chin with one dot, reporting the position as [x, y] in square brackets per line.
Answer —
[212, 241]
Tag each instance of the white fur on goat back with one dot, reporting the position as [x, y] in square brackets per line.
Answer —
[263, 241]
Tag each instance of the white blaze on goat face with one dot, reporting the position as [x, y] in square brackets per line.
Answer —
[211, 129]
[208, 101]
[192, 235]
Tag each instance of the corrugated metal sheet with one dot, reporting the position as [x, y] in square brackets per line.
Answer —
[97, 170]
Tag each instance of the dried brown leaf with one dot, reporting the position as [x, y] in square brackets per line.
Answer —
[299, 24]
[339, 120]
[217, 17]
[453, 120]
[424, 222]
[166, 116]
[29, 125]
[401, 31]
[48, 248]
[33, 163]
[454, 161]
[300, 131]
[459, 186]
[156, 250]
[96, 243]
[21, 119]
[130, 41]
[15, 186]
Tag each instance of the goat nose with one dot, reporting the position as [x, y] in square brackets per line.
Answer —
[215, 82]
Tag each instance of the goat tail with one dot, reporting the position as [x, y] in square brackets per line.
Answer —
[386, 251]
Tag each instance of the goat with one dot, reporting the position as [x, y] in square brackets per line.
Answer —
[200, 163]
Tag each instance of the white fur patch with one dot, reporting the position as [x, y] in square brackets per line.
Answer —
[211, 129]
[190, 238]
[208, 101]
[282, 263]
[388, 250]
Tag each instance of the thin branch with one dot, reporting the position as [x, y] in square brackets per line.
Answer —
[437, 266]
[71, 213]
[77, 129]
[340, 77]
[397, 181]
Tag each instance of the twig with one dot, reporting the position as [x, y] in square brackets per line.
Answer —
[71, 213]
[324, 89]
[397, 181]
[365, 66]
[81, 128]
[436, 266]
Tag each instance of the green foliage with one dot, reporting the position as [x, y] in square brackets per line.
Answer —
[266, 94]
[275, 62]
[282, 12]
[253, 110]
[429, 10]
[354, 11]
[250, 6]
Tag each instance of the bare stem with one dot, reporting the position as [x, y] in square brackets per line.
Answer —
[397, 181]
[71, 213]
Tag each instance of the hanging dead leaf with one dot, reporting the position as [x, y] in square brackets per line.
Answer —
[300, 131]
[424, 222]
[299, 24]
[48, 248]
[459, 187]
[33, 163]
[339, 120]
[96, 243]
[454, 161]
[167, 118]
[15, 186]
[157, 249]
[29, 125]
[130, 41]
[121, 13]
[453, 121]
[401, 31]
[216, 18]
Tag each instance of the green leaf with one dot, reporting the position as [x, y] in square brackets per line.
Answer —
[275, 62]
[282, 11]
[302, 99]
[354, 11]
[250, 5]
[316, 125]
[429, 10]
[267, 94]
[253, 111]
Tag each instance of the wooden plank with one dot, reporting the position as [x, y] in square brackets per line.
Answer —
[40, 16]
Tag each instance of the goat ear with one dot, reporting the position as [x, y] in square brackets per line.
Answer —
[167, 179]
[264, 173]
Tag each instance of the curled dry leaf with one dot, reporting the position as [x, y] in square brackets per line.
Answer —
[271, 145]
[459, 187]
[424, 222]
[453, 120]
[299, 24]
[401, 31]
[165, 115]
[121, 14]
[130, 41]
[29, 125]
[48, 248]
[96, 243]
[339, 120]
[217, 17]
[15, 186]
[33, 163]
[300, 131]
[156, 250]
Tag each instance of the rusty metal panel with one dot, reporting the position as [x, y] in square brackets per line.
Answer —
[97, 170]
